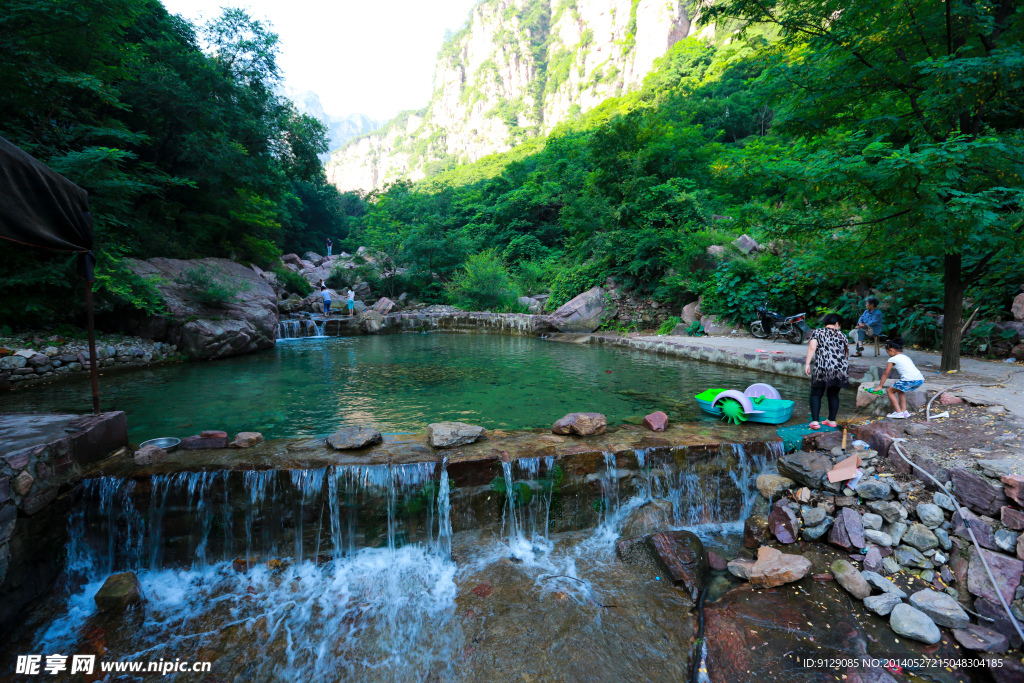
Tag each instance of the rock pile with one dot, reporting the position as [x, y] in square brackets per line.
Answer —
[55, 357]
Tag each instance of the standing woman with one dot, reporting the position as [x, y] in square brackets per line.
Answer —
[329, 245]
[831, 354]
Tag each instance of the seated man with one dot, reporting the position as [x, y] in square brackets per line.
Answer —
[869, 325]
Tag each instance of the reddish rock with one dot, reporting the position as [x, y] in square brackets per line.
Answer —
[981, 639]
[1017, 307]
[848, 530]
[1000, 622]
[1006, 570]
[23, 483]
[878, 435]
[755, 531]
[1013, 487]
[976, 492]
[213, 434]
[1007, 669]
[783, 522]
[1012, 518]
[483, 590]
[982, 530]
[717, 562]
[772, 568]
[18, 460]
[584, 424]
[681, 554]
[873, 560]
[198, 442]
[948, 399]
[35, 502]
[656, 422]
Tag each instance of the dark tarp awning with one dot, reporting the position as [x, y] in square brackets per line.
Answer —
[41, 208]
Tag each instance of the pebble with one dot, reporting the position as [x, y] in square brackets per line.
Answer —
[911, 622]
[872, 521]
[882, 604]
[890, 565]
[930, 515]
[812, 516]
[944, 501]
[943, 537]
[941, 608]
[883, 584]
[878, 537]
[896, 531]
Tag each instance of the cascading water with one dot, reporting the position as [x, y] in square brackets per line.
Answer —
[318, 327]
[288, 329]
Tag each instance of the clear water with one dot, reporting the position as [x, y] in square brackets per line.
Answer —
[400, 383]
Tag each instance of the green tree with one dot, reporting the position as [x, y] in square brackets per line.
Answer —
[900, 128]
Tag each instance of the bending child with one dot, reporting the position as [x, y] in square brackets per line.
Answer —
[910, 379]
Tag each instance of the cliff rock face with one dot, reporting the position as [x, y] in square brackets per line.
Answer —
[516, 70]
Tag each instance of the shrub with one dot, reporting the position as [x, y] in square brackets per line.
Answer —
[292, 281]
[204, 289]
[669, 325]
[263, 253]
[571, 282]
[484, 284]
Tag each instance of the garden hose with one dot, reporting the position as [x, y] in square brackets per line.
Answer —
[928, 408]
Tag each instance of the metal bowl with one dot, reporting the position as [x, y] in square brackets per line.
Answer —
[168, 443]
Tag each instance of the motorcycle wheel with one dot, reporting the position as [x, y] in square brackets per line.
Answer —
[795, 335]
[757, 330]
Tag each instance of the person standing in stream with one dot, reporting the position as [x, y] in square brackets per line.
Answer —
[831, 372]
[351, 302]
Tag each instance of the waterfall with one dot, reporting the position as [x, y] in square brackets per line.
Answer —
[288, 329]
[318, 327]
[609, 487]
[444, 513]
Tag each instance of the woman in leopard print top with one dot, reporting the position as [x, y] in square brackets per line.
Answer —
[831, 371]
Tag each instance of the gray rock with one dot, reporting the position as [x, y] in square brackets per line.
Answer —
[882, 604]
[849, 578]
[911, 622]
[746, 244]
[883, 584]
[944, 501]
[943, 537]
[813, 533]
[910, 557]
[12, 362]
[997, 468]
[890, 565]
[873, 489]
[583, 313]
[878, 537]
[452, 434]
[921, 537]
[812, 516]
[351, 438]
[890, 511]
[930, 515]
[808, 469]
[149, 455]
[1006, 540]
[872, 521]
[943, 610]
[119, 593]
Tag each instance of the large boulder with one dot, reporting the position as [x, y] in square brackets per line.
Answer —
[531, 305]
[809, 469]
[1017, 308]
[247, 322]
[651, 517]
[690, 312]
[351, 438]
[452, 434]
[119, 593]
[371, 321]
[681, 555]
[580, 314]
[716, 326]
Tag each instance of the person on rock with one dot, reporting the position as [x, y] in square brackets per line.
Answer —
[910, 379]
[329, 245]
[326, 294]
[831, 368]
[351, 302]
[869, 325]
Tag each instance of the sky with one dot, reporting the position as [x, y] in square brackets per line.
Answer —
[373, 57]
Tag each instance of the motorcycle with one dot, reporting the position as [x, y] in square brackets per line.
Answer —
[771, 325]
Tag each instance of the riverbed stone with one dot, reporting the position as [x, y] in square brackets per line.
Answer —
[1006, 540]
[770, 485]
[930, 515]
[681, 554]
[848, 530]
[879, 538]
[149, 455]
[246, 440]
[755, 531]
[651, 517]
[871, 521]
[921, 537]
[783, 523]
[883, 604]
[812, 516]
[943, 610]
[452, 434]
[813, 533]
[911, 557]
[583, 424]
[982, 530]
[582, 313]
[656, 421]
[352, 438]
[1012, 518]
[119, 593]
[204, 440]
[873, 489]
[873, 560]
[808, 469]
[890, 511]
[1006, 570]
[849, 578]
[944, 501]
[772, 568]
[1013, 487]
[998, 620]
[911, 622]
[977, 492]
[876, 580]
[981, 639]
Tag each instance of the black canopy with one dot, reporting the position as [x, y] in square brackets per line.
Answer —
[41, 208]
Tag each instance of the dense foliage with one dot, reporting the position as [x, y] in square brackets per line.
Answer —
[176, 132]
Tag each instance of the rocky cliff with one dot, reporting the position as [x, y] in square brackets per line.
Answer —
[514, 71]
[340, 129]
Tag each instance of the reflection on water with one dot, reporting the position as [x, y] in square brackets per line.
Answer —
[400, 383]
